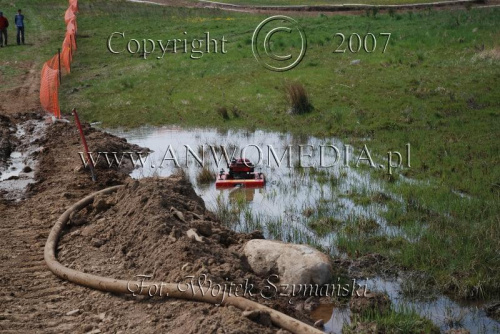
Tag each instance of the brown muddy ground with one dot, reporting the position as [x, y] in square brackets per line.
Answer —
[130, 233]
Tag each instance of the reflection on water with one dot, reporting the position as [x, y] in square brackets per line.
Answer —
[278, 209]
[442, 311]
[246, 193]
[290, 201]
[334, 317]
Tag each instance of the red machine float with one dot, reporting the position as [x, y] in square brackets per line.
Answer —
[242, 174]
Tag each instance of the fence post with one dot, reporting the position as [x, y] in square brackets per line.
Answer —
[91, 163]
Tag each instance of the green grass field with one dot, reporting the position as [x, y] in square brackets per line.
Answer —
[437, 86]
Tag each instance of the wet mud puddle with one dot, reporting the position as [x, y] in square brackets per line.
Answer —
[18, 170]
[441, 310]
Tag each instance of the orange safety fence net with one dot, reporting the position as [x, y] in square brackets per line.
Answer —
[69, 41]
[73, 4]
[50, 76]
[68, 47]
[66, 59]
[49, 86]
[71, 27]
[69, 15]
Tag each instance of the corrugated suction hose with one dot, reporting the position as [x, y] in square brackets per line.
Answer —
[121, 286]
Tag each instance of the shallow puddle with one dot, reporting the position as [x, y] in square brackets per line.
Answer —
[442, 311]
[334, 318]
[19, 171]
[293, 200]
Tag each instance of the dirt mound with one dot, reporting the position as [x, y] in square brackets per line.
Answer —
[160, 227]
[142, 225]
[60, 165]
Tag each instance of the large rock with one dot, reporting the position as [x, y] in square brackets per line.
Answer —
[295, 264]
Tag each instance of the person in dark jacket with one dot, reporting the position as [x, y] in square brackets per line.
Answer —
[4, 24]
[19, 21]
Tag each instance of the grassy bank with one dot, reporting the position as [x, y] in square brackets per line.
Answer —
[436, 87]
[433, 88]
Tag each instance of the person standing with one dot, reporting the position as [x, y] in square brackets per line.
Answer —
[4, 24]
[19, 21]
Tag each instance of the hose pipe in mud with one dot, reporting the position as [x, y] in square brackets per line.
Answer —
[171, 290]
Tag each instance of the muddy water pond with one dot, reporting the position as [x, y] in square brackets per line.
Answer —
[296, 201]
[300, 205]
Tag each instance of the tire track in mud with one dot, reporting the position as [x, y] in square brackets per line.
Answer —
[29, 288]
